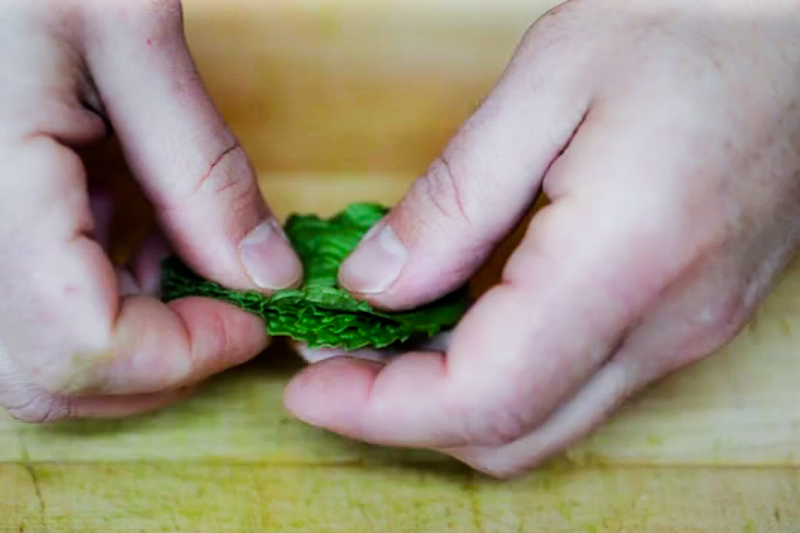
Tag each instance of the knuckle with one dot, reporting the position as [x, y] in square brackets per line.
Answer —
[566, 34]
[443, 191]
[76, 375]
[221, 341]
[715, 323]
[39, 408]
[24, 400]
[72, 360]
[724, 316]
[228, 176]
[236, 183]
[498, 426]
[52, 174]
[69, 363]
[151, 18]
[553, 28]
[209, 343]
[160, 11]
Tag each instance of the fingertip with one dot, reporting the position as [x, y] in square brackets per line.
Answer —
[332, 394]
[376, 264]
[269, 259]
[396, 268]
[396, 404]
[190, 165]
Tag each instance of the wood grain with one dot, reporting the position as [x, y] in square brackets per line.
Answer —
[228, 498]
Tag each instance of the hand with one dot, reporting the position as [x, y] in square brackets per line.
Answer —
[77, 337]
[667, 137]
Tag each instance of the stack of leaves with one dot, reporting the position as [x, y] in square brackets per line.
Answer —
[320, 313]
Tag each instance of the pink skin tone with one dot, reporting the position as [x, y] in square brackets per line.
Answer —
[80, 338]
[666, 134]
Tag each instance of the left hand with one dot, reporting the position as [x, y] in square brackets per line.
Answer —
[668, 138]
[81, 337]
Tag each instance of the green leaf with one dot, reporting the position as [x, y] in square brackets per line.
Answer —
[320, 313]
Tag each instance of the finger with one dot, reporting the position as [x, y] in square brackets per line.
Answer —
[695, 316]
[477, 190]
[28, 403]
[525, 347]
[590, 407]
[584, 275]
[157, 347]
[42, 89]
[670, 337]
[189, 163]
[61, 318]
[37, 407]
[113, 407]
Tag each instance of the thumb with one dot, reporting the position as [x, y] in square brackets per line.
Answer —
[191, 167]
[476, 191]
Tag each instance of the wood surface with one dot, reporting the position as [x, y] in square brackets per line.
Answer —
[342, 100]
[367, 498]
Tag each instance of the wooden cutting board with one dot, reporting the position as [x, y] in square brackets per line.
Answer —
[740, 407]
[344, 100]
[230, 458]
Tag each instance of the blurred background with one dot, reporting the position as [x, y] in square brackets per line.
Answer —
[352, 87]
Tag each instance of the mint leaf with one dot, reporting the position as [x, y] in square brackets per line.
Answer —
[320, 313]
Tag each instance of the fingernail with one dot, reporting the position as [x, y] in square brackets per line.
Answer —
[376, 264]
[268, 257]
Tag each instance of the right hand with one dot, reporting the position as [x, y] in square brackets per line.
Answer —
[79, 338]
[667, 141]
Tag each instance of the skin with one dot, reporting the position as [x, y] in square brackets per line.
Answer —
[667, 139]
[79, 337]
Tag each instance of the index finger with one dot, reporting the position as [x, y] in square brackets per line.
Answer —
[62, 319]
